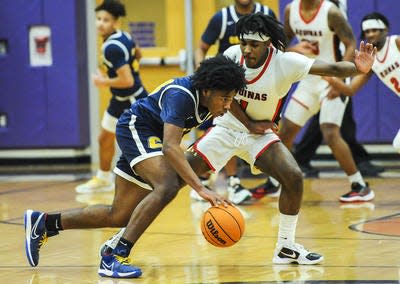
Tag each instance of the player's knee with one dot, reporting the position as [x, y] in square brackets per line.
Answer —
[330, 134]
[292, 179]
[167, 192]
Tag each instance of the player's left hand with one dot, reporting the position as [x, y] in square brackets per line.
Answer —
[98, 79]
[364, 58]
[262, 126]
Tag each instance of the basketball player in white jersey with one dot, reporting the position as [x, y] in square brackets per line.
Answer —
[248, 130]
[375, 27]
[315, 24]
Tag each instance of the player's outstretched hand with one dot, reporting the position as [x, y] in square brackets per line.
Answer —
[364, 58]
[214, 198]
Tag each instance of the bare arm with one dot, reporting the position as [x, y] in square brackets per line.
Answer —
[349, 90]
[200, 53]
[363, 60]
[340, 26]
[123, 80]
[286, 26]
[176, 157]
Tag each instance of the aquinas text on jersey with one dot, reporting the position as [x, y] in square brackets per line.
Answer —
[301, 33]
[389, 69]
[253, 95]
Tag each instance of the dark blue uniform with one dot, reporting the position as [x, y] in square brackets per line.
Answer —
[140, 130]
[222, 26]
[118, 50]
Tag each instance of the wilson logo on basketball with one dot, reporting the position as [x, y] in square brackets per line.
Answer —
[214, 232]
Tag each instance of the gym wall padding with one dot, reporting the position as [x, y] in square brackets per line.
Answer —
[46, 107]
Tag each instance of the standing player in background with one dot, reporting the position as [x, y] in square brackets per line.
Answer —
[312, 138]
[121, 57]
[316, 24]
[221, 28]
[375, 28]
[152, 167]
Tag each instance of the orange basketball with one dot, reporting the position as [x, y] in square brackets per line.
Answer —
[222, 226]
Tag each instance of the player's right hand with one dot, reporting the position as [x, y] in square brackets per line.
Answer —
[214, 198]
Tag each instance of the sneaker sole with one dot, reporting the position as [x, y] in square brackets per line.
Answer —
[28, 229]
[367, 197]
[113, 274]
[279, 260]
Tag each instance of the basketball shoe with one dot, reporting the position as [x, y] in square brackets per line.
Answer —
[94, 185]
[295, 253]
[107, 247]
[266, 189]
[115, 266]
[358, 193]
[236, 192]
[35, 235]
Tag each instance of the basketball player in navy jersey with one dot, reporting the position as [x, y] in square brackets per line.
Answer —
[152, 167]
[120, 56]
[221, 28]
[316, 23]
[247, 131]
[375, 29]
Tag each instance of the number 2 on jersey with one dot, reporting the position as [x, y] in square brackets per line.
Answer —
[395, 83]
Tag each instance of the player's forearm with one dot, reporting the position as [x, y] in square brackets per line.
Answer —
[237, 112]
[176, 157]
[119, 83]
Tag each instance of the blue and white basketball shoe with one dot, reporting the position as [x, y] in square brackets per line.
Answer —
[115, 266]
[35, 235]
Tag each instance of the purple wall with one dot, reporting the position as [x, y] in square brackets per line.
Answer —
[376, 108]
[47, 107]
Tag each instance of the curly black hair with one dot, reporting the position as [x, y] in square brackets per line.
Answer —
[219, 73]
[262, 24]
[114, 7]
[374, 16]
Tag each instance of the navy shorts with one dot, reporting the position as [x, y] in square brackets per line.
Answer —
[138, 141]
[118, 105]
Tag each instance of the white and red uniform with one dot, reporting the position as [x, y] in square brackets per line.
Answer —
[261, 100]
[310, 95]
[387, 68]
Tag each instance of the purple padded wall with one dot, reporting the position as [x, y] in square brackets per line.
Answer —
[376, 108]
[47, 107]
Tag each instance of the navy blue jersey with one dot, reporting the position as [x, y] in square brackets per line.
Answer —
[222, 26]
[175, 102]
[119, 49]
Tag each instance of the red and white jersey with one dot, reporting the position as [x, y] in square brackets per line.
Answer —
[387, 64]
[262, 99]
[316, 30]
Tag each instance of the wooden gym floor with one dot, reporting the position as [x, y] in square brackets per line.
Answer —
[360, 242]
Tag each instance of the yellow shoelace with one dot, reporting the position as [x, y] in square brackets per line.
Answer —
[123, 260]
[43, 240]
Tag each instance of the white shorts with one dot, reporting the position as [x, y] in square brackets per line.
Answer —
[220, 144]
[109, 122]
[309, 98]
[396, 141]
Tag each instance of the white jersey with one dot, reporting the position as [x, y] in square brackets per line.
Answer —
[315, 30]
[262, 99]
[387, 64]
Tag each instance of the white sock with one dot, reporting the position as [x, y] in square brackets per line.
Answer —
[104, 175]
[287, 229]
[274, 181]
[357, 177]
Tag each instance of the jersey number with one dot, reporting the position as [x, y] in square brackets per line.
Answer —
[243, 104]
[395, 83]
